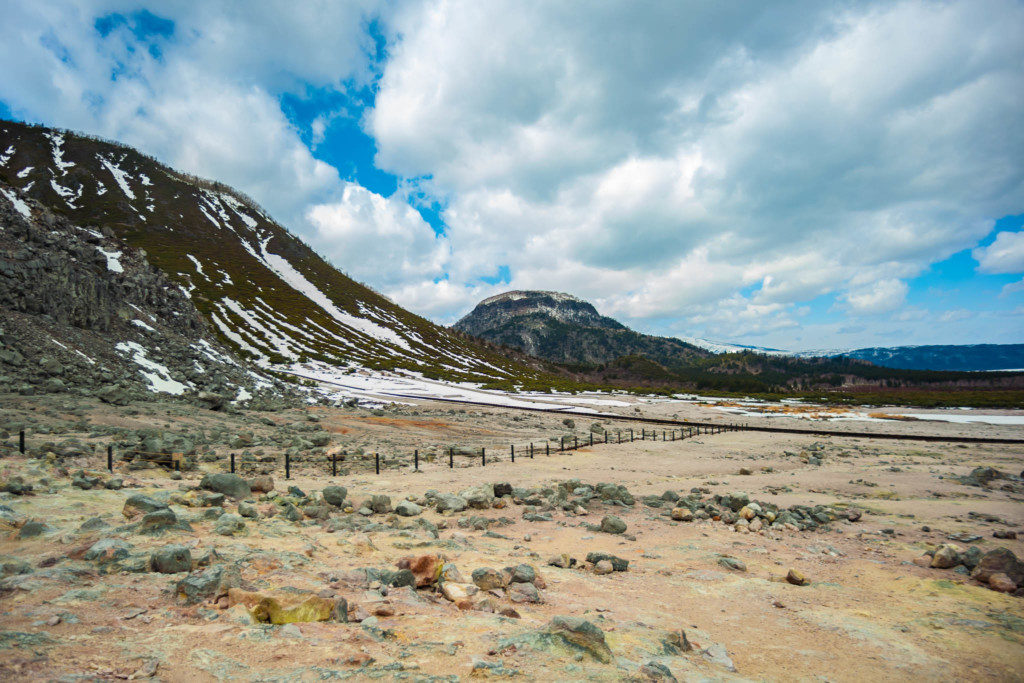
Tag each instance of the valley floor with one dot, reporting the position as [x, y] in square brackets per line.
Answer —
[70, 609]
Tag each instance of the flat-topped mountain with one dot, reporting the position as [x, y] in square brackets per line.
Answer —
[563, 328]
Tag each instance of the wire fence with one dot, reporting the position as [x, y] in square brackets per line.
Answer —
[467, 457]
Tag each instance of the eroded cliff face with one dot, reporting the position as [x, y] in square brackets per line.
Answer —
[82, 311]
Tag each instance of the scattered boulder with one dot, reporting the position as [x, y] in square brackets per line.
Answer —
[487, 579]
[450, 502]
[479, 497]
[582, 636]
[407, 508]
[682, 515]
[171, 559]
[796, 578]
[208, 584]
[229, 484]
[945, 557]
[379, 503]
[999, 561]
[603, 567]
[229, 525]
[262, 484]
[108, 550]
[732, 563]
[524, 592]
[618, 564]
[158, 521]
[31, 529]
[613, 525]
[139, 505]
[426, 569]
[335, 495]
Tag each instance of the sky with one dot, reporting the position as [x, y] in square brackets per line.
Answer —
[798, 175]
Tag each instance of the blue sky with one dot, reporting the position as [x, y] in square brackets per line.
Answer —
[807, 175]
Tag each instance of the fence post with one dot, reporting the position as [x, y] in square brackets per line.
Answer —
[663, 435]
[606, 436]
[531, 450]
[591, 438]
[643, 435]
[575, 443]
[334, 465]
[618, 434]
[451, 457]
[232, 463]
[547, 448]
[177, 466]
[631, 435]
[483, 457]
[416, 459]
[110, 458]
[376, 462]
[512, 450]
[287, 465]
[21, 441]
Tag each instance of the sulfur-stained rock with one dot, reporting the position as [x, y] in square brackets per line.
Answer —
[269, 610]
[945, 557]
[426, 568]
[487, 579]
[581, 635]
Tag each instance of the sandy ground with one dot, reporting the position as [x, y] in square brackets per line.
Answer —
[868, 612]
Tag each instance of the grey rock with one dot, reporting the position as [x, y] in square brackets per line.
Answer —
[408, 509]
[228, 484]
[613, 525]
[171, 559]
[335, 495]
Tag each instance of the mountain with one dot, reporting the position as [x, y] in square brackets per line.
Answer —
[953, 357]
[261, 293]
[562, 328]
[973, 357]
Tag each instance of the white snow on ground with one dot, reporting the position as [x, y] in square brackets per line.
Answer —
[199, 266]
[243, 394]
[230, 333]
[101, 189]
[751, 409]
[208, 216]
[91, 361]
[95, 233]
[57, 142]
[20, 205]
[159, 377]
[295, 279]
[66, 193]
[143, 325]
[237, 206]
[120, 177]
[144, 179]
[6, 156]
[206, 348]
[367, 384]
[113, 260]
[279, 343]
[25, 171]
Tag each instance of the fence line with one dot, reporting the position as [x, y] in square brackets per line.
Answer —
[173, 460]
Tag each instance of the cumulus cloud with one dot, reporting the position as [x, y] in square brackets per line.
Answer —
[365, 231]
[733, 149]
[1004, 255]
[690, 165]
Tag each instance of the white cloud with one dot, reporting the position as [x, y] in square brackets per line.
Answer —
[732, 149]
[378, 238]
[1004, 255]
[879, 297]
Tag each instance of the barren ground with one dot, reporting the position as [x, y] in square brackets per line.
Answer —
[868, 612]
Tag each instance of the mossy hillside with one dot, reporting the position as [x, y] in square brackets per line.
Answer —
[170, 218]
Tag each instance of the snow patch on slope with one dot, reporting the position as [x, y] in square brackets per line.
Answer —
[19, 205]
[158, 376]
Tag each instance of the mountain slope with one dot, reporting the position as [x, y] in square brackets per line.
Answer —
[564, 329]
[953, 357]
[945, 356]
[266, 294]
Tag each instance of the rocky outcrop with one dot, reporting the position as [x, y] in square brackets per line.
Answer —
[562, 328]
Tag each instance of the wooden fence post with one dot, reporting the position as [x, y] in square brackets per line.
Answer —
[110, 458]
[416, 459]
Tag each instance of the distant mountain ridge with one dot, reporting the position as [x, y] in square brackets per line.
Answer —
[940, 357]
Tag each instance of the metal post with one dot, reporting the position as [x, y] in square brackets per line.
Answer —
[483, 457]
[110, 458]
[643, 435]
[416, 459]
[21, 441]
[631, 435]
[287, 465]
[376, 462]
[618, 433]
[547, 448]
[334, 465]
[591, 438]
[512, 449]
[531, 450]
[451, 457]
[232, 463]
[177, 466]
[663, 435]
[575, 443]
